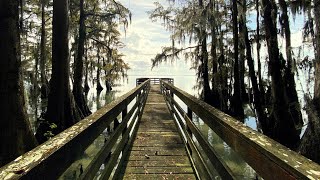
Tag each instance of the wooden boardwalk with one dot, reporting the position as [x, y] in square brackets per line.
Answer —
[158, 151]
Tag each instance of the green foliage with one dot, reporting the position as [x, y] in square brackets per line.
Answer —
[49, 134]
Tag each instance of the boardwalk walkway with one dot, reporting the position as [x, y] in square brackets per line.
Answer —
[158, 151]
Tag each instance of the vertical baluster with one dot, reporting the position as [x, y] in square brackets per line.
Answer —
[115, 124]
[189, 114]
[124, 114]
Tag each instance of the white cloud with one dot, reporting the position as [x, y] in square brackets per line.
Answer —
[144, 39]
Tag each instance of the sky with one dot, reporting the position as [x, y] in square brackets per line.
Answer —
[144, 39]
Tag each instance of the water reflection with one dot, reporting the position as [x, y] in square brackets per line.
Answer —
[96, 100]
[237, 165]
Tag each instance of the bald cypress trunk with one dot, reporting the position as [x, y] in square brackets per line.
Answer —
[86, 84]
[78, 91]
[281, 121]
[61, 107]
[289, 72]
[261, 86]
[310, 142]
[262, 117]
[242, 50]
[43, 57]
[237, 108]
[99, 86]
[15, 133]
[223, 77]
[204, 57]
[214, 81]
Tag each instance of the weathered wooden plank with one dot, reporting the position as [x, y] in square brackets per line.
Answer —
[158, 132]
[158, 129]
[157, 158]
[157, 163]
[157, 148]
[155, 126]
[160, 176]
[178, 152]
[159, 137]
[157, 122]
[157, 145]
[269, 158]
[143, 142]
[162, 170]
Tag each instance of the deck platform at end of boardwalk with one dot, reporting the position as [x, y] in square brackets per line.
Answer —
[158, 151]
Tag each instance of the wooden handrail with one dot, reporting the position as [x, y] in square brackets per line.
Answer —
[154, 80]
[52, 158]
[270, 159]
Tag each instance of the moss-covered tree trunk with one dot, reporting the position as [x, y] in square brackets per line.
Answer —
[289, 71]
[15, 133]
[43, 57]
[61, 106]
[262, 118]
[107, 73]
[99, 86]
[242, 50]
[86, 84]
[237, 108]
[223, 91]
[203, 57]
[310, 142]
[78, 91]
[214, 59]
[281, 121]
[261, 86]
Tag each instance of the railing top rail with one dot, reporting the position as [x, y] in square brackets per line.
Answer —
[269, 158]
[154, 80]
[63, 149]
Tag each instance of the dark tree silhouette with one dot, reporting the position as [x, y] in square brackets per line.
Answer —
[15, 134]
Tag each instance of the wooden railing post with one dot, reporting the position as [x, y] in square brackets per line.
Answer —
[124, 114]
[189, 114]
[115, 124]
[160, 86]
